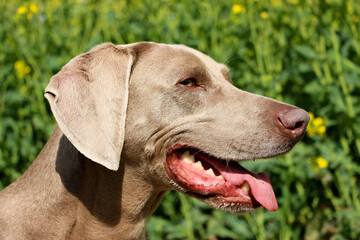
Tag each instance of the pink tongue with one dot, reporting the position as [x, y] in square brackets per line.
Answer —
[262, 190]
[260, 184]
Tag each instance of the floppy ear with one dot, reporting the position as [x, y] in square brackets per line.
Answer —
[89, 98]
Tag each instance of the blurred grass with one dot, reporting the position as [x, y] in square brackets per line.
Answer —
[305, 53]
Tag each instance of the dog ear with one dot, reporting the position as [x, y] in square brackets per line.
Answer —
[89, 98]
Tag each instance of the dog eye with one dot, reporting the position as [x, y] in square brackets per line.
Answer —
[189, 82]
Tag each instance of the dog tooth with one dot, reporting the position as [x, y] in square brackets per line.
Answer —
[187, 157]
[210, 172]
[198, 165]
[245, 187]
[221, 177]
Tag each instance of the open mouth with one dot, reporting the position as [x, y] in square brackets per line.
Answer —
[224, 184]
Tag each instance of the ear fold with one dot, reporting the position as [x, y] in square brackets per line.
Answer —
[89, 98]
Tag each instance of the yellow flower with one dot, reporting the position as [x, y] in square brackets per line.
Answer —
[322, 162]
[311, 115]
[264, 15]
[321, 130]
[316, 126]
[276, 3]
[28, 9]
[22, 10]
[317, 122]
[33, 8]
[21, 69]
[237, 8]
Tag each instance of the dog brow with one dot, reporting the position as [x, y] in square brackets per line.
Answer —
[225, 72]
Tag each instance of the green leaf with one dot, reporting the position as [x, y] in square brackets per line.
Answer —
[306, 52]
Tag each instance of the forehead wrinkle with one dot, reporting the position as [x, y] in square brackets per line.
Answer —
[175, 64]
[208, 63]
[192, 59]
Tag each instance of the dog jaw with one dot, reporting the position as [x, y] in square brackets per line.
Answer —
[222, 184]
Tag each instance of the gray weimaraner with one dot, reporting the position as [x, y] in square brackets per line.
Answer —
[135, 121]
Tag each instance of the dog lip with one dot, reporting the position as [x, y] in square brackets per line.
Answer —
[194, 180]
[229, 204]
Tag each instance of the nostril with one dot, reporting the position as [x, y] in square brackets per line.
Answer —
[282, 124]
[291, 125]
[299, 124]
[294, 120]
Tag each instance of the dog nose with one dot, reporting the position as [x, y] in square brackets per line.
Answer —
[294, 122]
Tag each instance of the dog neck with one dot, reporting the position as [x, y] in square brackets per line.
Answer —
[109, 203]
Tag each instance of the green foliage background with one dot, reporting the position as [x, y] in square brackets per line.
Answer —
[306, 53]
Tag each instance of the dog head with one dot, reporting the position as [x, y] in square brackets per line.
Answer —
[173, 112]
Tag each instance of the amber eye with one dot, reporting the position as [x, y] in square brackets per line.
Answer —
[189, 82]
